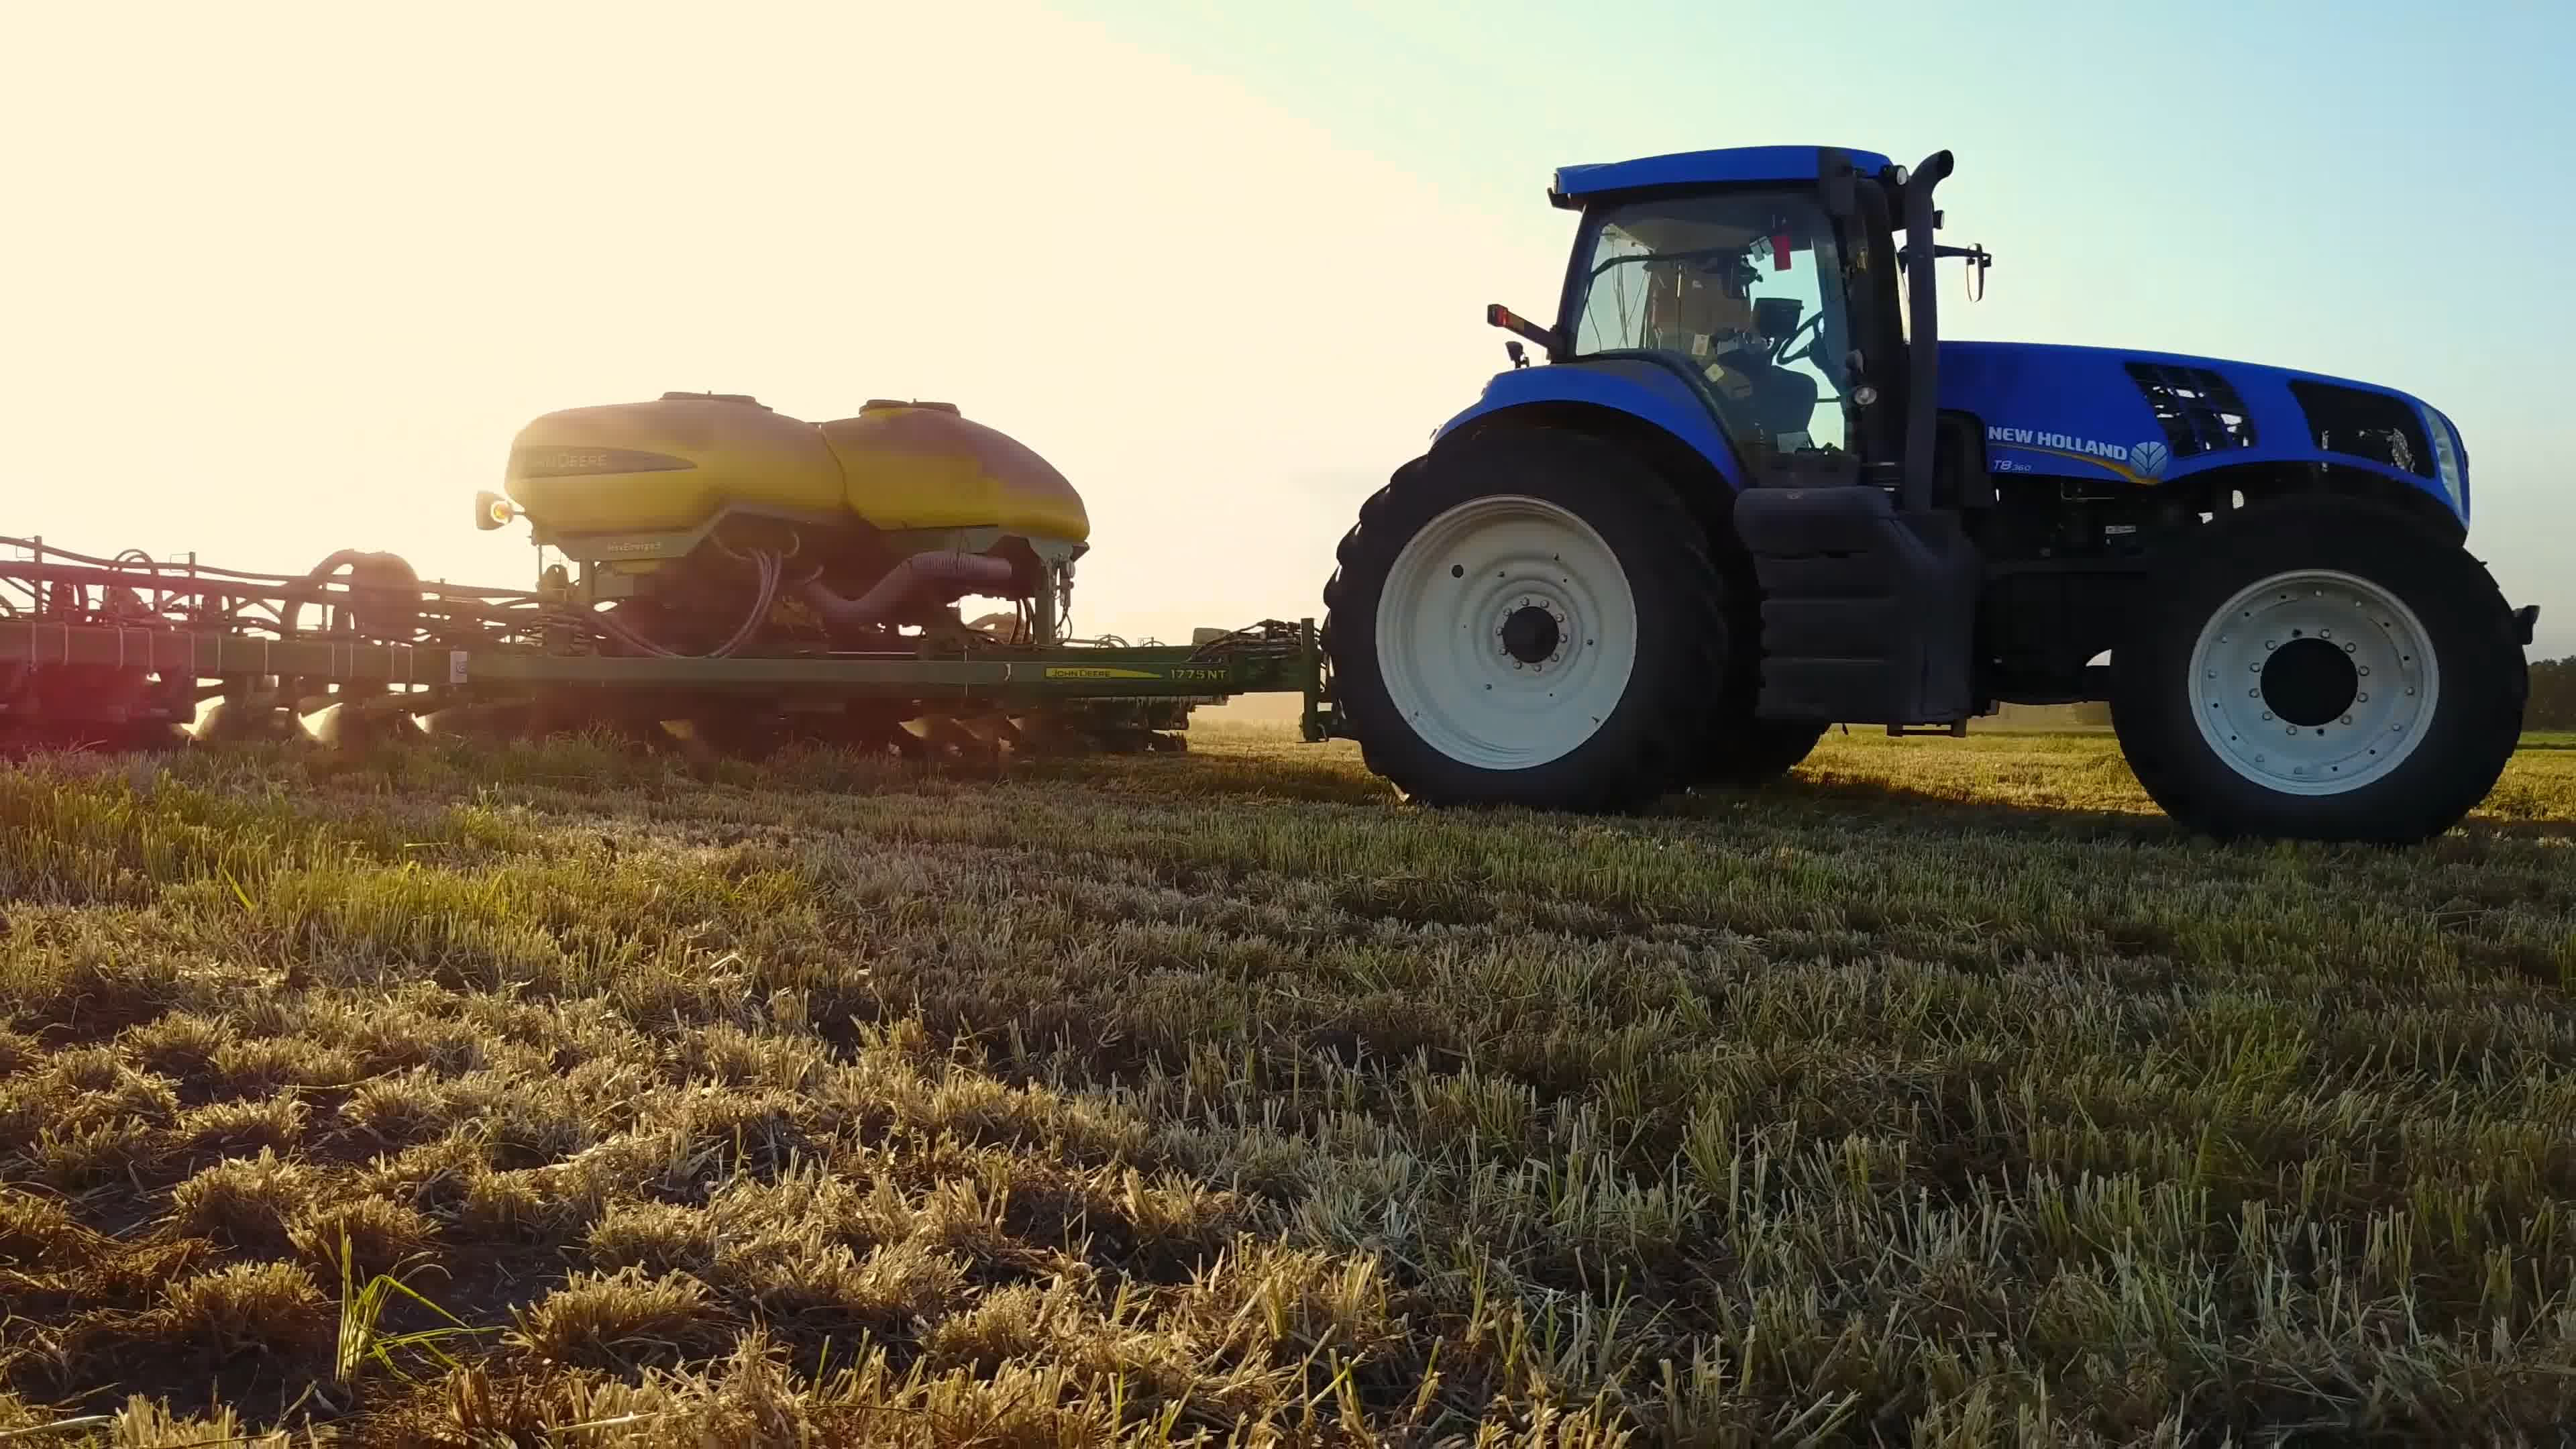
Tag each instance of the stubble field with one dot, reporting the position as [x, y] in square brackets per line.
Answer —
[1942, 1095]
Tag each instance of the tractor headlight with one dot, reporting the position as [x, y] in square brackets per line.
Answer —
[2450, 463]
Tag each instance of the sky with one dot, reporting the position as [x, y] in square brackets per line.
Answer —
[286, 278]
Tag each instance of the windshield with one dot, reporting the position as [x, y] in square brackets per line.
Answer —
[1731, 287]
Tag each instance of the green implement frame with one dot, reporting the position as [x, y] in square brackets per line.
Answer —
[1273, 658]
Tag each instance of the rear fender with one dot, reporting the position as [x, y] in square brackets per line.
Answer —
[1642, 391]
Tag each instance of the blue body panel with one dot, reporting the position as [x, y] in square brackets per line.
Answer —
[2069, 412]
[1705, 168]
[2075, 412]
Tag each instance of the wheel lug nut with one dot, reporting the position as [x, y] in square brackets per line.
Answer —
[2365, 699]
[2349, 646]
[2347, 719]
[2267, 714]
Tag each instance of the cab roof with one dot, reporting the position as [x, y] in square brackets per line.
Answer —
[1703, 168]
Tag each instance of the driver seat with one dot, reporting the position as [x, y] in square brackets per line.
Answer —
[1784, 399]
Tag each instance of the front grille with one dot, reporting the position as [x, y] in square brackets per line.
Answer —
[2369, 425]
[2198, 409]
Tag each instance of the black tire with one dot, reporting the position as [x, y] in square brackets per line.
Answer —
[1645, 747]
[2477, 714]
[1741, 749]
[1745, 751]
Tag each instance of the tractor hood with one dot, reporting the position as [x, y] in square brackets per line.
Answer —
[2151, 417]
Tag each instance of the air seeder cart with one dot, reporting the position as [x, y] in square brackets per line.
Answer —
[729, 577]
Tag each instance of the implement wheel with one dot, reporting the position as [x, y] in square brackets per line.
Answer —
[2320, 669]
[1527, 617]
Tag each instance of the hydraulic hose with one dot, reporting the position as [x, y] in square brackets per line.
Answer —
[764, 596]
[901, 583]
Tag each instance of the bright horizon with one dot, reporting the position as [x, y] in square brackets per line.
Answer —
[288, 280]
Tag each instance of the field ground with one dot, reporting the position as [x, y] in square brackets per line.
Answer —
[1942, 1095]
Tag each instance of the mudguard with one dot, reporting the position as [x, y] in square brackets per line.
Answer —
[1643, 390]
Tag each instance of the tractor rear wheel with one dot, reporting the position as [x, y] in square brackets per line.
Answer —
[1527, 617]
[2318, 669]
[1749, 751]
[1742, 748]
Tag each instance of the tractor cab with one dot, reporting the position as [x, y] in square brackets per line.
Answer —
[1743, 291]
[1761, 279]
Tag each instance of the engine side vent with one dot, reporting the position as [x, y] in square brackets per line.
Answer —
[2198, 409]
[2369, 425]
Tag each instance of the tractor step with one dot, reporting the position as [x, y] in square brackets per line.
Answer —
[1868, 613]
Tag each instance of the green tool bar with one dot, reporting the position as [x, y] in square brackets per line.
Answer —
[209, 656]
[1063, 673]
[1107, 674]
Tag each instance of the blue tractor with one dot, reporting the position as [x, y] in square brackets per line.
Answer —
[1749, 495]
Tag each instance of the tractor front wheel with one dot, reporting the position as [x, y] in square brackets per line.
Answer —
[2319, 669]
[1527, 617]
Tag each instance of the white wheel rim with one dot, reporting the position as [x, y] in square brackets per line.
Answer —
[2265, 711]
[1506, 632]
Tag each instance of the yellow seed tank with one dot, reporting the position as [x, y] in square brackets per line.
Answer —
[673, 464]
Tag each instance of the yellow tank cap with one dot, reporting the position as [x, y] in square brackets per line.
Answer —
[880, 404]
[731, 397]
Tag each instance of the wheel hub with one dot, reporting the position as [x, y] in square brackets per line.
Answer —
[1506, 632]
[2308, 681]
[2314, 682]
[1533, 635]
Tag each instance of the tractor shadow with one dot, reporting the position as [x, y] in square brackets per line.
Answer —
[1891, 808]
[1885, 808]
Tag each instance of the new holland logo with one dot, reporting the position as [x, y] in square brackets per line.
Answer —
[2139, 462]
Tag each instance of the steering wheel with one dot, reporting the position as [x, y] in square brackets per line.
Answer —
[1781, 356]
